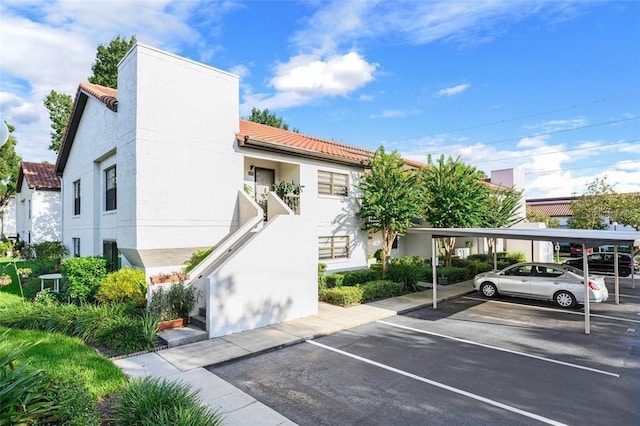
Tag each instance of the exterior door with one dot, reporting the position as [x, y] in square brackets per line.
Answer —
[264, 180]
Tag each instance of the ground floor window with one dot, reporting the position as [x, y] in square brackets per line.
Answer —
[335, 247]
[76, 247]
[110, 252]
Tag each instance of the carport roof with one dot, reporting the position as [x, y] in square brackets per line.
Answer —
[578, 236]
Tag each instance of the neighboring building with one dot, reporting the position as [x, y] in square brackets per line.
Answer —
[560, 208]
[38, 208]
[8, 217]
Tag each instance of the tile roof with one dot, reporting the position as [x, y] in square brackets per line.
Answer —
[553, 209]
[38, 176]
[106, 95]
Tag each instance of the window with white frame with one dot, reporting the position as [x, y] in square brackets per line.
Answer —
[330, 183]
[335, 247]
[111, 194]
[76, 197]
[76, 247]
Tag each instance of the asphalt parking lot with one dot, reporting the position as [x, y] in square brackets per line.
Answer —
[472, 361]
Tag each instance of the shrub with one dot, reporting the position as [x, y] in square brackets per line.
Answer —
[176, 302]
[6, 245]
[81, 277]
[378, 255]
[477, 267]
[334, 280]
[196, 258]
[322, 286]
[124, 285]
[406, 273]
[158, 401]
[407, 260]
[381, 289]
[343, 296]
[453, 274]
[510, 258]
[359, 276]
[47, 297]
[481, 257]
[49, 250]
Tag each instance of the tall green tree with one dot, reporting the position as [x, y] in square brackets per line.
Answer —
[59, 106]
[534, 215]
[9, 168]
[625, 209]
[391, 198]
[590, 209]
[500, 210]
[105, 68]
[104, 72]
[268, 118]
[456, 197]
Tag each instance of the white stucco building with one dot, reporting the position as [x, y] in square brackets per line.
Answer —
[8, 217]
[37, 207]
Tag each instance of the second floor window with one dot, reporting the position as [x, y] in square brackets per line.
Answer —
[111, 194]
[330, 183]
[76, 197]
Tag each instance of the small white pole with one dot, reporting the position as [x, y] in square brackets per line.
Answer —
[434, 265]
[585, 268]
[616, 280]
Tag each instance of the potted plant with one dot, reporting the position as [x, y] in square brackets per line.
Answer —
[172, 307]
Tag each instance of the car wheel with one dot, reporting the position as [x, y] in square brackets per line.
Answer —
[624, 272]
[489, 289]
[564, 299]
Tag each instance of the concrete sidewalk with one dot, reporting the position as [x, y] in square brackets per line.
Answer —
[186, 363]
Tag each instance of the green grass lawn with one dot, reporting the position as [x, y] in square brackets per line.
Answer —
[66, 357]
[31, 285]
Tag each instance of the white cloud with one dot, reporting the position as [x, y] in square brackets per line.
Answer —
[450, 91]
[393, 113]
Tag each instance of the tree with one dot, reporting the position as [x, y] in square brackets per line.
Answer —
[59, 106]
[105, 68]
[390, 199]
[9, 169]
[534, 215]
[269, 119]
[625, 209]
[456, 197]
[500, 210]
[105, 73]
[589, 210]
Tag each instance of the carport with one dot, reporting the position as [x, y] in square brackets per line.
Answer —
[576, 236]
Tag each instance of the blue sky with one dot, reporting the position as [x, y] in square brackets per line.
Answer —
[549, 87]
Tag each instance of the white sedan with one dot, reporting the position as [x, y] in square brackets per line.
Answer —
[561, 284]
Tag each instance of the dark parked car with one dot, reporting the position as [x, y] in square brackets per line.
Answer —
[603, 262]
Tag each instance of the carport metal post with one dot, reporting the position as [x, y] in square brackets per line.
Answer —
[616, 280]
[434, 265]
[585, 268]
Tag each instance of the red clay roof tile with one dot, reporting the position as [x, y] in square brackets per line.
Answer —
[39, 176]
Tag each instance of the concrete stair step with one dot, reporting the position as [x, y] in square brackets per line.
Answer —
[199, 321]
[183, 335]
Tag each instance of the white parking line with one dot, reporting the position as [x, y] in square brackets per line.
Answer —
[552, 310]
[470, 342]
[440, 385]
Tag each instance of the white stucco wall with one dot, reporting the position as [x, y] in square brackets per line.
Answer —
[272, 279]
[9, 228]
[331, 215]
[178, 171]
[46, 214]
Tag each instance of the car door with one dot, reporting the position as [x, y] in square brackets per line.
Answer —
[545, 281]
[597, 263]
[515, 280]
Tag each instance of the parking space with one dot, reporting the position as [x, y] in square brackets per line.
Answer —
[472, 361]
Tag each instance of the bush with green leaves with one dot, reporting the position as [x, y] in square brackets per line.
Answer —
[81, 277]
[407, 274]
[51, 251]
[157, 401]
[480, 257]
[381, 289]
[196, 258]
[510, 257]
[6, 246]
[26, 395]
[359, 276]
[408, 260]
[175, 302]
[47, 297]
[334, 280]
[343, 296]
[123, 285]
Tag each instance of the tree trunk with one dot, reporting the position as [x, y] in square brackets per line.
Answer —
[448, 244]
[387, 242]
